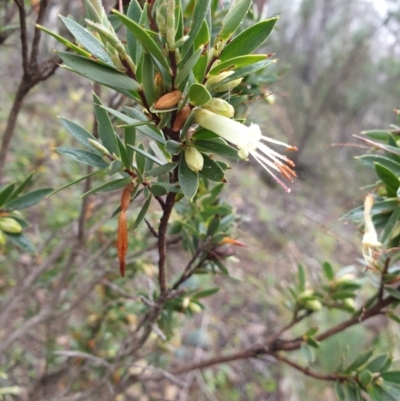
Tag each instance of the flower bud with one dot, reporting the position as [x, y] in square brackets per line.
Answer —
[181, 118]
[9, 225]
[194, 159]
[185, 302]
[313, 305]
[158, 86]
[213, 80]
[349, 303]
[220, 106]
[99, 147]
[194, 308]
[169, 100]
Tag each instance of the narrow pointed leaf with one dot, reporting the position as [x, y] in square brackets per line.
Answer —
[237, 62]
[80, 133]
[249, 40]
[234, 18]
[74, 182]
[99, 73]
[165, 168]
[144, 38]
[134, 13]
[65, 42]
[22, 242]
[21, 187]
[83, 156]
[211, 169]
[5, 194]
[106, 129]
[150, 131]
[199, 14]
[142, 213]
[87, 40]
[146, 154]
[109, 186]
[28, 200]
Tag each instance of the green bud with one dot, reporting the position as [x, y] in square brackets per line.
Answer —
[194, 159]
[213, 80]
[220, 106]
[349, 303]
[194, 308]
[313, 305]
[9, 225]
[99, 147]
[161, 11]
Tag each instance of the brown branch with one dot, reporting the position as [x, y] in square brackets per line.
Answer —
[24, 39]
[382, 283]
[162, 244]
[306, 370]
[37, 33]
[151, 228]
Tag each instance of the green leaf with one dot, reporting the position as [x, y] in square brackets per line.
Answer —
[99, 73]
[188, 179]
[377, 363]
[393, 219]
[186, 68]
[123, 153]
[146, 154]
[140, 159]
[388, 178]
[237, 62]
[65, 42]
[370, 160]
[148, 78]
[28, 200]
[198, 16]
[353, 392]
[359, 361]
[234, 18]
[198, 94]
[6, 193]
[393, 376]
[74, 182]
[217, 146]
[144, 38]
[165, 168]
[393, 292]
[393, 316]
[22, 242]
[249, 40]
[83, 156]
[301, 278]
[162, 188]
[21, 187]
[342, 295]
[211, 169]
[105, 127]
[205, 293]
[116, 166]
[379, 135]
[328, 270]
[87, 40]
[242, 72]
[130, 139]
[134, 13]
[109, 186]
[78, 132]
[149, 130]
[199, 70]
[339, 391]
[142, 213]
[203, 37]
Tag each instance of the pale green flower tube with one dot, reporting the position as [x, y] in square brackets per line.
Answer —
[249, 140]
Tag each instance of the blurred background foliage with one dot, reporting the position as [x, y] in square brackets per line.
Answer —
[338, 74]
